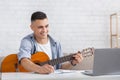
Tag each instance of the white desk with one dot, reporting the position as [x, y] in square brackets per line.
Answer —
[64, 75]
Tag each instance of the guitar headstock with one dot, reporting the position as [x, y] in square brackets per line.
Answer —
[87, 52]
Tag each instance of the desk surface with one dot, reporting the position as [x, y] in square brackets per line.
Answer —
[57, 75]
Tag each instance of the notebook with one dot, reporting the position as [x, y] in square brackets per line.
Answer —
[106, 62]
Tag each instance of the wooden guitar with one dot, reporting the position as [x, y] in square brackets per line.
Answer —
[10, 62]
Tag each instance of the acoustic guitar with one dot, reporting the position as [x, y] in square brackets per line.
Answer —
[10, 62]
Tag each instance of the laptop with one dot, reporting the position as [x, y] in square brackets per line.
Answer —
[106, 62]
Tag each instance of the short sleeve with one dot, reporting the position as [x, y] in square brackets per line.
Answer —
[25, 49]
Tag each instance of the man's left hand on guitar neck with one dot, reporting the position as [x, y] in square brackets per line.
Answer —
[77, 59]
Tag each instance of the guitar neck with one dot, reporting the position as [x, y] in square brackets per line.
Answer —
[58, 60]
[84, 52]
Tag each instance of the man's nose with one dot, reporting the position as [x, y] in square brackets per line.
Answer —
[44, 29]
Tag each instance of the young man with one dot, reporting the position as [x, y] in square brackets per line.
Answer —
[41, 41]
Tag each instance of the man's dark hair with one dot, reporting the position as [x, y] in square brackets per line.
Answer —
[38, 15]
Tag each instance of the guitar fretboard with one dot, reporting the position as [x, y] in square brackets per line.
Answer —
[58, 60]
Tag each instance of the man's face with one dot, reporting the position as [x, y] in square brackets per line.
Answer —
[40, 28]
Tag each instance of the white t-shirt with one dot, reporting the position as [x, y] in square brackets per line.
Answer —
[45, 48]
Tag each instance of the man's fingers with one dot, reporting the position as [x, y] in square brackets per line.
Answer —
[77, 58]
[49, 68]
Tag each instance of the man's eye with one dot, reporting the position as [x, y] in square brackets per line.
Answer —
[39, 27]
[46, 26]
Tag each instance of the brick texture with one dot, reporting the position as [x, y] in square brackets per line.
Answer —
[77, 24]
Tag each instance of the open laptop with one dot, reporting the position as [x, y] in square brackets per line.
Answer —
[106, 62]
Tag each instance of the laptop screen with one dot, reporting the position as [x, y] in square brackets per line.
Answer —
[106, 61]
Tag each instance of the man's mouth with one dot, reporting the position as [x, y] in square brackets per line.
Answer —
[43, 34]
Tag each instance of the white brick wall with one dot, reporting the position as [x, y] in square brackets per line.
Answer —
[77, 24]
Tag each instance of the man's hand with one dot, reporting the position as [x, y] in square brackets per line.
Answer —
[46, 69]
[77, 58]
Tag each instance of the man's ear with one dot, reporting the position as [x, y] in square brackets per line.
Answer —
[31, 26]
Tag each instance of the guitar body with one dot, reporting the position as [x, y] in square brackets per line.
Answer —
[10, 63]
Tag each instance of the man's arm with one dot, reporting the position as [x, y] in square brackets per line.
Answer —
[77, 59]
[32, 67]
[66, 65]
